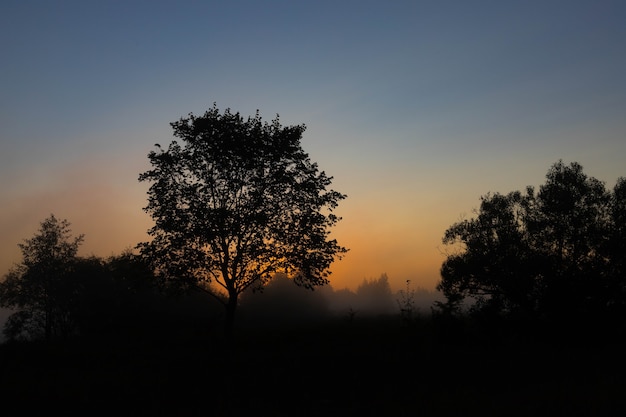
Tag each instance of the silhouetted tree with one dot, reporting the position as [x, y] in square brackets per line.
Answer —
[115, 293]
[616, 251]
[568, 228]
[95, 301]
[406, 302]
[552, 253]
[42, 287]
[491, 264]
[238, 201]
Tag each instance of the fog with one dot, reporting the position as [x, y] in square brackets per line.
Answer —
[282, 302]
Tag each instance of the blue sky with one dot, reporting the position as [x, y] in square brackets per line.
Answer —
[416, 108]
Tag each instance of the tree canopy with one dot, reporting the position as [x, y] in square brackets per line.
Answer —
[553, 253]
[236, 202]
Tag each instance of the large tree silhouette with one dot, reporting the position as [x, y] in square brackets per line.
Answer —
[552, 253]
[236, 202]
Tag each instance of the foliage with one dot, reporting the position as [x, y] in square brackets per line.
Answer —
[42, 286]
[56, 293]
[115, 293]
[236, 202]
[555, 252]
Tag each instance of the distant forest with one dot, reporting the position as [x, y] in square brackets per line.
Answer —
[119, 294]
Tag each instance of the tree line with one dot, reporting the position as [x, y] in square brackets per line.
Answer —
[57, 294]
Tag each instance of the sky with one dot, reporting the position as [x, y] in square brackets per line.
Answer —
[415, 108]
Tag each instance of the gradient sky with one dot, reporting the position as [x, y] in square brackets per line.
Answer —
[416, 108]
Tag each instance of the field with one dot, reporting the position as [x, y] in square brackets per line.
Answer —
[369, 367]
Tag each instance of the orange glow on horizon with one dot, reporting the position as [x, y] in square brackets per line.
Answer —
[402, 239]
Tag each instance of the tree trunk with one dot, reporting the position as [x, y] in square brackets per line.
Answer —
[231, 308]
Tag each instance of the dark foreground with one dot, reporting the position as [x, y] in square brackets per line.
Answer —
[336, 368]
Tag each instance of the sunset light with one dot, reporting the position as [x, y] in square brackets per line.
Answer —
[475, 152]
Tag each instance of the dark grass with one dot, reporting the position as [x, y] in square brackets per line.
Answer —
[367, 367]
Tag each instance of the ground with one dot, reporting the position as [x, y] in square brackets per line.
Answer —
[369, 367]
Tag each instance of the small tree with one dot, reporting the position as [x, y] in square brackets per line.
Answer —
[406, 302]
[236, 203]
[42, 287]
